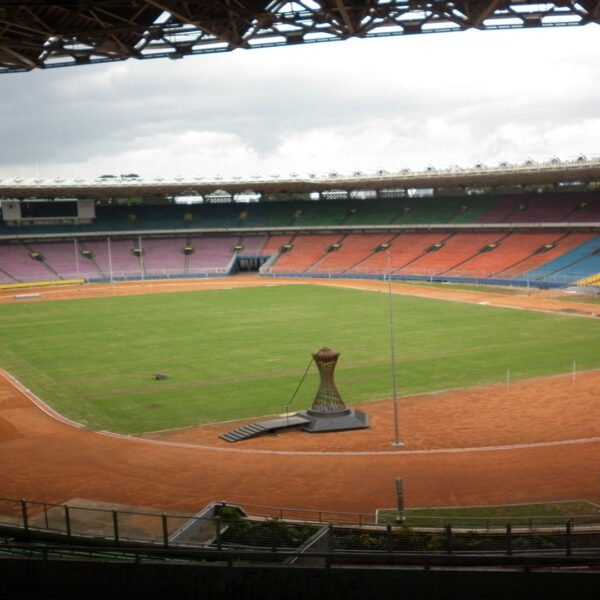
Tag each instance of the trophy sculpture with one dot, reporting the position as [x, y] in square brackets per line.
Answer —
[328, 411]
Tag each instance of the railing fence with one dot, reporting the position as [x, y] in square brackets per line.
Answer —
[268, 528]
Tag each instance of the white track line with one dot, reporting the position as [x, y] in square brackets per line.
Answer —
[399, 453]
[38, 401]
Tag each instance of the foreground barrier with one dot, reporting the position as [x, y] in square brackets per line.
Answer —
[223, 527]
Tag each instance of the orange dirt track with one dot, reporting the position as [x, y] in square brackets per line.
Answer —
[536, 440]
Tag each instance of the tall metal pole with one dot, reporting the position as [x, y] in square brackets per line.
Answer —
[141, 257]
[76, 250]
[397, 441]
[110, 267]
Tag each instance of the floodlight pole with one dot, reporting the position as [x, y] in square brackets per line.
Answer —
[397, 441]
[110, 266]
[76, 250]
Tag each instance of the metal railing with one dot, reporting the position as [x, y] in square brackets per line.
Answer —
[223, 527]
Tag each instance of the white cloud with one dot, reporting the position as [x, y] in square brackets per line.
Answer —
[438, 99]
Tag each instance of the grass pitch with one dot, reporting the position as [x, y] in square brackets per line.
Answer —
[239, 353]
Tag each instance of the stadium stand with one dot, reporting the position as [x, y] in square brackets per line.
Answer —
[545, 208]
[65, 259]
[247, 238]
[577, 264]
[115, 258]
[404, 249]
[501, 210]
[163, 256]
[16, 261]
[5, 277]
[253, 245]
[354, 249]
[544, 254]
[305, 252]
[505, 254]
[588, 210]
[211, 254]
[429, 210]
[274, 243]
[456, 250]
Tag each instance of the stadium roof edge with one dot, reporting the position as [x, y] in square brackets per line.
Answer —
[555, 172]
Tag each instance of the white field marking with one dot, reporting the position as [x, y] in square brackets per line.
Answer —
[397, 453]
[404, 292]
[38, 402]
[58, 417]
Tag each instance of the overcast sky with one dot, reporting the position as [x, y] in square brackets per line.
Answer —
[440, 99]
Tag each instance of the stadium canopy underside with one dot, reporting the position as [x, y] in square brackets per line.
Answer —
[44, 34]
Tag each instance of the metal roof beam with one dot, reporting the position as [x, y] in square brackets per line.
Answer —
[54, 34]
[481, 11]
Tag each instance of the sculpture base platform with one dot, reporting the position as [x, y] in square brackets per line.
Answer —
[310, 421]
[319, 422]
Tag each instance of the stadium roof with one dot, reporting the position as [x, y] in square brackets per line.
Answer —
[44, 34]
[580, 171]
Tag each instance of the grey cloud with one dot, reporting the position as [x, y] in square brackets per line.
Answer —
[76, 114]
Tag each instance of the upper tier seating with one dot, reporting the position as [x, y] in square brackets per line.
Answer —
[535, 208]
[573, 207]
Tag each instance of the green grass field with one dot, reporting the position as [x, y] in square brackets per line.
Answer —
[480, 516]
[240, 353]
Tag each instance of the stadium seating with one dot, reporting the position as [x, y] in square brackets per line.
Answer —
[404, 249]
[16, 262]
[65, 259]
[253, 245]
[305, 252]
[579, 263]
[544, 256]
[274, 243]
[456, 250]
[503, 260]
[545, 209]
[5, 277]
[588, 211]
[163, 256]
[354, 249]
[501, 210]
[212, 254]
[115, 258]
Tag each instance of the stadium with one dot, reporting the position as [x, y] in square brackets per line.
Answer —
[145, 319]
